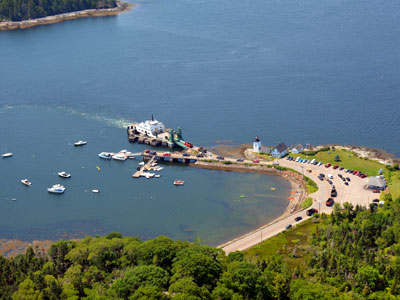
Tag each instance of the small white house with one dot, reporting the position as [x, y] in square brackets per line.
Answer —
[280, 150]
[296, 149]
[257, 145]
[376, 183]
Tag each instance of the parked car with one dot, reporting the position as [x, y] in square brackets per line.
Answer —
[363, 176]
[327, 165]
[288, 226]
[320, 163]
[348, 178]
[341, 168]
[256, 161]
[335, 167]
[185, 154]
[330, 202]
[375, 200]
[346, 183]
[200, 155]
[240, 160]
[146, 151]
[298, 218]
[330, 181]
[322, 174]
[340, 175]
[220, 157]
[376, 191]
[311, 211]
[333, 193]
[167, 154]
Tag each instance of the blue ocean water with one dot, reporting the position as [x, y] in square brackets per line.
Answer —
[292, 71]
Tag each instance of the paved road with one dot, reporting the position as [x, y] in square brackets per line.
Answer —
[354, 193]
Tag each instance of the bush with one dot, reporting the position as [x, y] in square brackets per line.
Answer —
[325, 149]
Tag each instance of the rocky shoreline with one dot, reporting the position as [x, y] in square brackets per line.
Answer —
[121, 7]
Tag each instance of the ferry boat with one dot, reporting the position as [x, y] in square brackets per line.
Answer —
[119, 156]
[80, 143]
[56, 189]
[64, 174]
[105, 155]
[178, 182]
[9, 154]
[26, 182]
[150, 127]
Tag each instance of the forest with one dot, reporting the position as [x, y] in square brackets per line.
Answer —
[354, 254]
[19, 10]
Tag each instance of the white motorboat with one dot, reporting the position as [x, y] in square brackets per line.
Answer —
[105, 155]
[64, 174]
[123, 151]
[141, 163]
[80, 143]
[157, 175]
[56, 189]
[96, 191]
[26, 182]
[9, 154]
[119, 156]
[148, 175]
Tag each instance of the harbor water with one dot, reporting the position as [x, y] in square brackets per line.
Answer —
[291, 71]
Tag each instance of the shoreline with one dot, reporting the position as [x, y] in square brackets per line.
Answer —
[88, 13]
[296, 182]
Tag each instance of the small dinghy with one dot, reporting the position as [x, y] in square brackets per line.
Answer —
[5, 155]
[80, 143]
[178, 182]
[26, 182]
[95, 191]
[64, 174]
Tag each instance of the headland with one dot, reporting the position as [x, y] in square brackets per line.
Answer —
[121, 7]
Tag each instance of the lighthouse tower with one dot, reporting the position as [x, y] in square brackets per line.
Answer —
[257, 145]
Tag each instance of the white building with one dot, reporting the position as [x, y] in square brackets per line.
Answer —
[150, 128]
[296, 149]
[257, 145]
[280, 150]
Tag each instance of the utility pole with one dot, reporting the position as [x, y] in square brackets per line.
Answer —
[261, 234]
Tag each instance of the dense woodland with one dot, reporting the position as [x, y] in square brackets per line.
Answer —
[355, 254]
[18, 10]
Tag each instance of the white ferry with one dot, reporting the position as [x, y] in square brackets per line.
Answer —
[150, 127]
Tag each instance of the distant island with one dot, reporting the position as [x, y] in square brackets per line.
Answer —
[21, 14]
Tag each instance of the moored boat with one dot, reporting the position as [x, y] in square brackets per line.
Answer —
[105, 155]
[56, 189]
[26, 182]
[179, 182]
[96, 191]
[64, 174]
[80, 143]
[119, 156]
[9, 154]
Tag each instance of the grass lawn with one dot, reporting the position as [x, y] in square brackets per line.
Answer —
[348, 160]
[307, 203]
[395, 185]
[284, 244]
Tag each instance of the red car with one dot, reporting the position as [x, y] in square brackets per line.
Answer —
[146, 151]
[363, 176]
[190, 145]
[335, 167]
[256, 161]
[376, 191]
[327, 165]
[167, 154]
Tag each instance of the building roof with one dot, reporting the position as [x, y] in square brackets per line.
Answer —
[281, 147]
[376, 181]
[298, 147]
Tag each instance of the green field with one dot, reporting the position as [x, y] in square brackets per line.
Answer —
[348, 160]
[291, 245]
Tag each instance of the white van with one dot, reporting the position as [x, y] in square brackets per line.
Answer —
[330, 176]
[298, 158]
[313, 161]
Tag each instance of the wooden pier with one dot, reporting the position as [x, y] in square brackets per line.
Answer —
[177, 157]
[144, 168]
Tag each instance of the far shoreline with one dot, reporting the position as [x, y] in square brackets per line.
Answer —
[88, 13]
